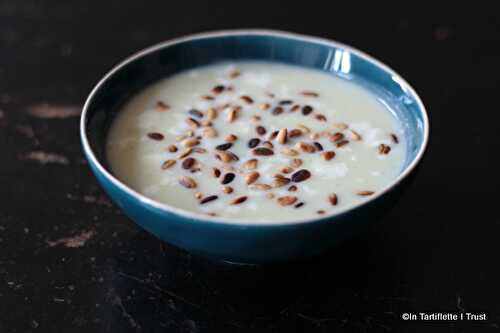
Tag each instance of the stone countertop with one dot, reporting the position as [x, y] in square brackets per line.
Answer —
[70, 261]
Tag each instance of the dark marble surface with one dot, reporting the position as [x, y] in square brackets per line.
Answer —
[71, 262]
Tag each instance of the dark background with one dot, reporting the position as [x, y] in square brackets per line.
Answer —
[436, 251]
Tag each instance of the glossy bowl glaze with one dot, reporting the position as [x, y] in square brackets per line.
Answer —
[248, 241]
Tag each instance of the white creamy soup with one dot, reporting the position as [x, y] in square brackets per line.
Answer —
[256, 141]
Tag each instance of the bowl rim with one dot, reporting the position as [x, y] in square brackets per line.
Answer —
[237, 221]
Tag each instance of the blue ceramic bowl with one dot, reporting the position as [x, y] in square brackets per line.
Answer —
[248, 241]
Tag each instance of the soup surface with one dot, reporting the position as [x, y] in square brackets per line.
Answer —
[256, 141]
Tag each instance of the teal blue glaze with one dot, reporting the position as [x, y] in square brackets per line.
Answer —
[248, 242]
